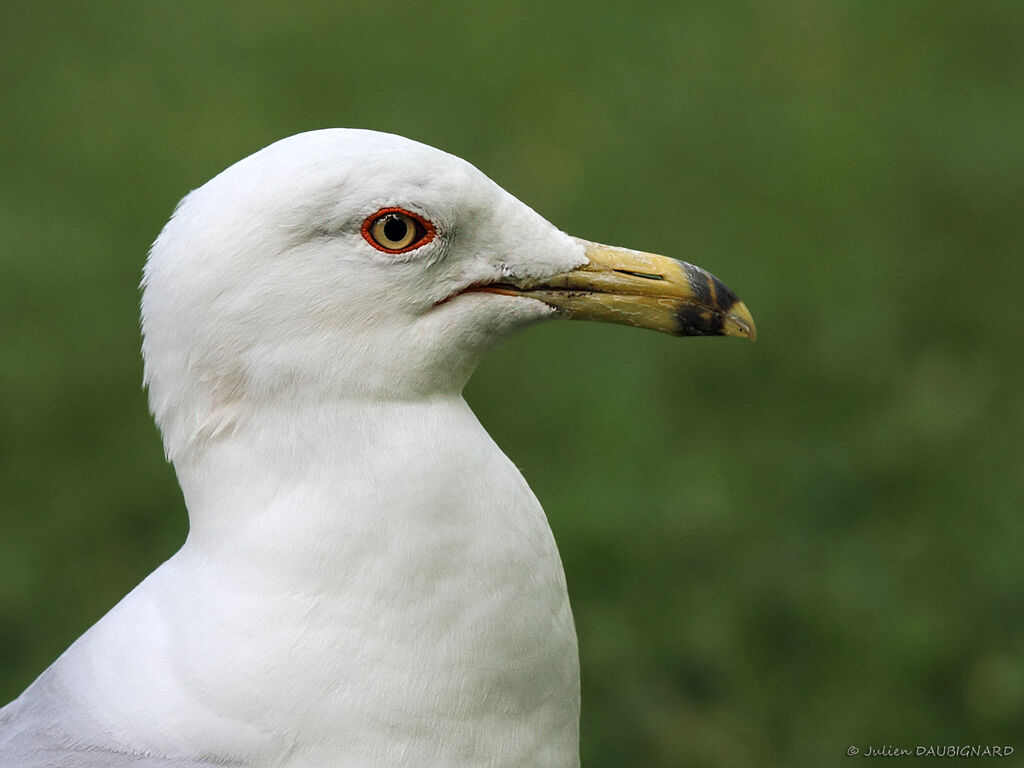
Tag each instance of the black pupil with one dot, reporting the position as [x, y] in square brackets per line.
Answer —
[395, 229]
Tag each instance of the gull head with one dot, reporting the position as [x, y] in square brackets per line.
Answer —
[354, 264]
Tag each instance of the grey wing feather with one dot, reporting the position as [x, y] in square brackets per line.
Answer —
[45, 728]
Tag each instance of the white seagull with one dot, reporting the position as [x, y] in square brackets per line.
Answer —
[367, 578]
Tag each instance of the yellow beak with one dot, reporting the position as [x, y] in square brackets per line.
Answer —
[618, 285]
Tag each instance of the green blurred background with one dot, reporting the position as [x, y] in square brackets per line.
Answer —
[774, 550]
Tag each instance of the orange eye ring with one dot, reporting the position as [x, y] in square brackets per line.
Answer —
[396, 230]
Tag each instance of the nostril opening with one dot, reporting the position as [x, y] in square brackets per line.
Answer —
[645, 275]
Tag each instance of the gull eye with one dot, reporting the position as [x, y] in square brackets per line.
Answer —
[395, 230]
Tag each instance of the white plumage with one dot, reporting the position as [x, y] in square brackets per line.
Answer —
[367, 580]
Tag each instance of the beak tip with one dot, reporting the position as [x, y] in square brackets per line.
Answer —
[741, 322]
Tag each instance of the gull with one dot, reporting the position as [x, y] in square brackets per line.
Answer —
[367, 579]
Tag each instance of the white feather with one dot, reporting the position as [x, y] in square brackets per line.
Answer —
[368, 580]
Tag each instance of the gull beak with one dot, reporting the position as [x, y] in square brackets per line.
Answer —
[619, 285]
